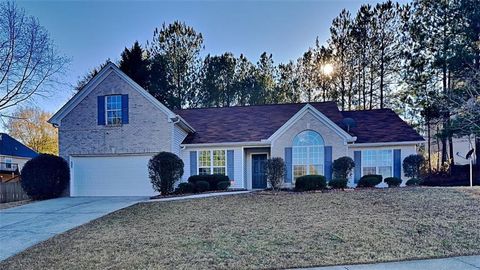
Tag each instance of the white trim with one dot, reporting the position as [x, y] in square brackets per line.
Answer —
[244, 144]
[88, 88]
[320, 116]
[385, 144]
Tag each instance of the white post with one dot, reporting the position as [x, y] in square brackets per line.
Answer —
[471, 172]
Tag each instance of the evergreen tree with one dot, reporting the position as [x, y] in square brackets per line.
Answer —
[135, 63]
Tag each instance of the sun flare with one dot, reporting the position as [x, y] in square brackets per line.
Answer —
[327, 69]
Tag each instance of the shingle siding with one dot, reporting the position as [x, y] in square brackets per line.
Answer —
[148, 130]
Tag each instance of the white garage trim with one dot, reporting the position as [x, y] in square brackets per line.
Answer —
[110, 175]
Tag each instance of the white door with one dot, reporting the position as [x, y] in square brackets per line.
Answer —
[110, 176]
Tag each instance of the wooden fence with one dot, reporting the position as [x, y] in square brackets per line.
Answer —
[12, 192]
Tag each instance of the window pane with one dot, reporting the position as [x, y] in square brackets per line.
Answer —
[316, 169]
[219, 170]
[219, 158]
[385, 171]
[369, 170]
[204, 171]
[204, 159]
[299, 170]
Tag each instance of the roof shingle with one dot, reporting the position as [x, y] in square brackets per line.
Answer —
[11, 147]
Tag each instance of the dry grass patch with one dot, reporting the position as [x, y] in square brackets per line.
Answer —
[256, 231]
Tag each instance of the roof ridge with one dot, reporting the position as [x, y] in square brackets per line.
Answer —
[259, 105]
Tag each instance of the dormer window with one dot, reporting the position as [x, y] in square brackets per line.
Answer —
[113, 110]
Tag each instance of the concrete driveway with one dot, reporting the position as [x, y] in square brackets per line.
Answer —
[23, 226]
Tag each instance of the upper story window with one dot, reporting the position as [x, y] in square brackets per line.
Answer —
[113, 110]
[212, 162]
[377, 162]
[307, 154]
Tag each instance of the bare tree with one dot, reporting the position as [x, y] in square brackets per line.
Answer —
[29, 63]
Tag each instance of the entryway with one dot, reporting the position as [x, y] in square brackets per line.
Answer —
[259, 178]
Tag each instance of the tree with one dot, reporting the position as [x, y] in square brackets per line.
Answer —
[29, 63]
[179, 46]
[89, 76]
[29, 125]
[265, 81]
[218, 81]
[413, 165]
[135, 63]
[244, 80]
[275, 170]
[342, 167]
[164, 170]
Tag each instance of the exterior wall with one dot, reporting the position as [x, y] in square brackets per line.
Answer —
[309, 122]
[148, 131]
[20, 161]
[237, 159]
[178, 136]
[406, 150]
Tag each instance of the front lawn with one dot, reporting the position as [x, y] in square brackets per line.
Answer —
[270, 231]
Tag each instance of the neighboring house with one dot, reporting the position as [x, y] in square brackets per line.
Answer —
[110, 129]
[13, 155]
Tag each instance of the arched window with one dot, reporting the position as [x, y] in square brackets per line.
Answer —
[307, 154]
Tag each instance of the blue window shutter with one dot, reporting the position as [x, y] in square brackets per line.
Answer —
[193, 162]
[124, 109]
[328, 162]
[357, 158]
[288, 164]
[230, 165]
[397, 163]
[101, 110]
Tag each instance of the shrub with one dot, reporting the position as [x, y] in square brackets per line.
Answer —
[310, 182]
[45, 176]
[342, 167]
[223, 185]
[339, 183]
[211, 179]
[393, 181]
[164, 170]
[413, 165]
[413, 182]
[185, 188]
[202, 186]
[275, 170]
[370, 180]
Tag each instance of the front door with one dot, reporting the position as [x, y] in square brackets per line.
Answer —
[259, 178]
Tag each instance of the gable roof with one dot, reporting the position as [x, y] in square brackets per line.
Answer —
[380, 125]
[96, 80]
[259, 122]
[11, 147]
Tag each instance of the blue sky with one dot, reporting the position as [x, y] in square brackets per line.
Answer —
[90, 32]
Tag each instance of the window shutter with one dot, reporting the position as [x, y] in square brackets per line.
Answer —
[328, 162]
[124, 109]
[230, 164]
[101, 110]
[357, 158]
[288, 164]
[193, 163]
[397, 163]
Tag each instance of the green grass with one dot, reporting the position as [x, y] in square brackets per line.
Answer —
[270, 231]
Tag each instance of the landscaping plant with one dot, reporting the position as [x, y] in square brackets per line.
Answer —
[413, 165]
[213, 180]
[338, 183]
[370, 180]
[45, 176]
[185, 188]
[275, 170]
[310, 182]
[393, 181]
[413, 182]
[202, 186]
[164, 170]
[342, 167]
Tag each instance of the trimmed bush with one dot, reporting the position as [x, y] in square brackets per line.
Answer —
[370, 180]
[223, 185]
[275, 170]
[202, 186]
[338, 183]
[393, 181]
[413, 165]
[310, 182]
[342, 167]
[164, 170]
[45, 176]
[185, 188]
[211, 179]
[414, 182]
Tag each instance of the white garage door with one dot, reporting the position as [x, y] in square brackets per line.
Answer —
[110, 176]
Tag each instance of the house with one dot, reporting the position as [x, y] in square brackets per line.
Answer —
[110, 129]
[13, 155]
